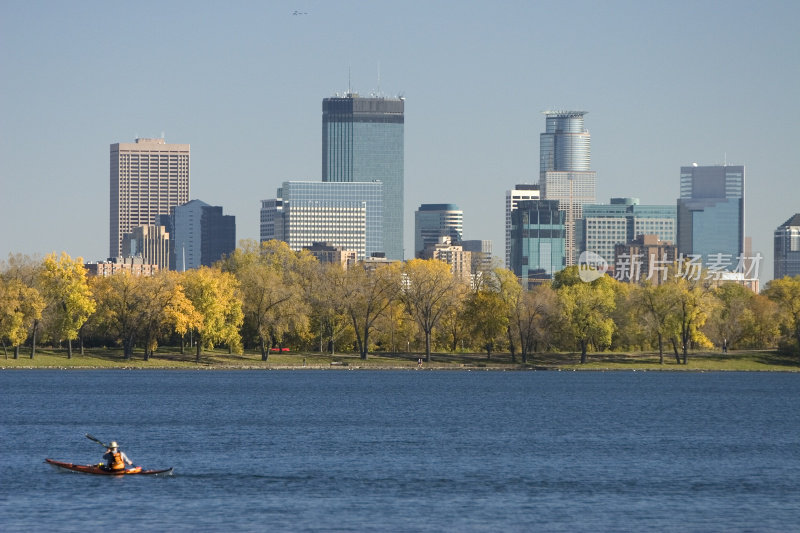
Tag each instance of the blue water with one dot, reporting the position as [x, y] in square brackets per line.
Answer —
[403, 451]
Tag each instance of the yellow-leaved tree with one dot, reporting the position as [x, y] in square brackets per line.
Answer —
[69, 300]
[214, 295]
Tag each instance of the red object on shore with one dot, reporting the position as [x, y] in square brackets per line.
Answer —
[99, 470]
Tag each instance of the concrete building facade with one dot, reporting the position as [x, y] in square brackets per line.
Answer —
[147, 178]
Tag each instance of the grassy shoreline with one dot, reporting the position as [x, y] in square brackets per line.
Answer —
[221, 360]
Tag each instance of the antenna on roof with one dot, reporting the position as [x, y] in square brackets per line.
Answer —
[379, 78]
[349, 89]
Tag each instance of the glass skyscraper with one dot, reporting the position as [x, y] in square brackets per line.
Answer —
[432, 221]
[537, 240]
[603, 226]
[565, 169]
[362, 140]
[347, 215]
[787, 248]
[711, 213]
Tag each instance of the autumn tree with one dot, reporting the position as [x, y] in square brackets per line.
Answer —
[19, 307]
[163, 308]
[693, 306]
[118, 298]
[214, 295]
[275, 282]
[26, 270]
[366, 295]
[427, 292]
[486, 312]
[69, 300]
[656, 305]
[586, 309]
[785, 292]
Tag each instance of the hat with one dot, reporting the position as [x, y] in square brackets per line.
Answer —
[113, 444]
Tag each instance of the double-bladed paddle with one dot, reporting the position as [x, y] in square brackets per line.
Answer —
[98, 441]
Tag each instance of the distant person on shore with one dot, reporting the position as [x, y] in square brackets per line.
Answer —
[115, 458]
[419, 363]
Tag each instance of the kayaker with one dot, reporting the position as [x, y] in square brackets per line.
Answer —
[115, 458]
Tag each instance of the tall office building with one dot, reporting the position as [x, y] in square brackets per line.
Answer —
[787, 248]
[347, 215]
[603, 226]
[513, 197]
[538, 247]
[711, 213]
[565, 169]
[432, 221]
[147, 178]
[201, 235]
[362, 140]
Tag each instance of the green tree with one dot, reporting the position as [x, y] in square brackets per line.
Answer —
[427, 292]
[69, 300]
[656, 306]
[785, 292]
[587, 309]
[486, 311]
[732, 319]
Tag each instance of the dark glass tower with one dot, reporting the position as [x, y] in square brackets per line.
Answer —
[362, 140]
[711, 213]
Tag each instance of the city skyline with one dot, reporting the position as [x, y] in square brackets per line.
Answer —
[243, 84]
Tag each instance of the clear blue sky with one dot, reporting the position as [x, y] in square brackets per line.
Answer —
[666, 84]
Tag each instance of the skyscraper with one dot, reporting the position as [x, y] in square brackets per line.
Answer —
[362, 140]
[513, 197]
[202, 235]
[787, 248]
[147, 178]
[432, 221]
[347, 215]
[564, 169]
[603, 226]
[537, 241]
[711, 213]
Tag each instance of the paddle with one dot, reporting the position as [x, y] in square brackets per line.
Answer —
[98, 441]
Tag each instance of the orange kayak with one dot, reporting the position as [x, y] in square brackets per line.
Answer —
[100, 470]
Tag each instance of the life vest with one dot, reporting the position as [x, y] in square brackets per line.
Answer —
[116, 461]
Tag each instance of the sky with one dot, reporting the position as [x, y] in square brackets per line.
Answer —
[665, 84]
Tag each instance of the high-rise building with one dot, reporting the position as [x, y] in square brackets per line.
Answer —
[446, 251]
[565, 169]
[537, 241]
[711, 214]
[201, 235]
[603, 226]
[520, 192]
[347, 215]
[362, 140]
[147, 178]
[481, 254]
[432, 221]
[150, 242]
[787, 248]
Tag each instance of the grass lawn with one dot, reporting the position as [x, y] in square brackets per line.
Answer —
[168, 357]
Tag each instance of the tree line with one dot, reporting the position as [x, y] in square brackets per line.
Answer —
[265, 295]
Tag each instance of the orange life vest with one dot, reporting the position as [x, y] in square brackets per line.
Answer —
[116, 461]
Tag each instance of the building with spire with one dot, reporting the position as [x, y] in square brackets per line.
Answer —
[565, 170]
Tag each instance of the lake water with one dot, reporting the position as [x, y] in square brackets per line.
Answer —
[402, 451]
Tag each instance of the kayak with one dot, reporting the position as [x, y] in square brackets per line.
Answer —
[99, 469]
